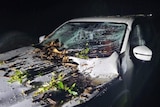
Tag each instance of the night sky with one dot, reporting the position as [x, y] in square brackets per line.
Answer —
[41, 17]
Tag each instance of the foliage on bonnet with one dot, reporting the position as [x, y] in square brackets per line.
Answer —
[18, 76]
[56, 84]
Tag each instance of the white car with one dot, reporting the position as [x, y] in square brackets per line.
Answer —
[91, 55]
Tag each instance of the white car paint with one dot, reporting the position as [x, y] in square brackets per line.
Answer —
[104, 69]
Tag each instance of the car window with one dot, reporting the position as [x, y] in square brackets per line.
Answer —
[137, 36]
[142, 33]
[101, 36]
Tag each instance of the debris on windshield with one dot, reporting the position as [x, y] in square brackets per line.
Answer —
[50, 52]
[83, 53]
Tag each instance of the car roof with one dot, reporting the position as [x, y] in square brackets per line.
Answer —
[128, 19]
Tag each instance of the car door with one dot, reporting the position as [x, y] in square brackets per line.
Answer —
[135, 72]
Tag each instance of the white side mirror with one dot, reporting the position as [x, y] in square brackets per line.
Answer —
[142, 53]
[41, 38]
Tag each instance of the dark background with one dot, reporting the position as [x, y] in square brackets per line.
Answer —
[31, 19]
[41, 17]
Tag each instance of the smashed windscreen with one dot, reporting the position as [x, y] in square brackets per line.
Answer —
[101, 38]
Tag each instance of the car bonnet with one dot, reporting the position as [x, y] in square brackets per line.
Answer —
[101, 71]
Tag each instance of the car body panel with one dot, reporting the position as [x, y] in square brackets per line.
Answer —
[100, 68]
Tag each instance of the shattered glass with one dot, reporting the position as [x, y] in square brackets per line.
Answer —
[102, 36]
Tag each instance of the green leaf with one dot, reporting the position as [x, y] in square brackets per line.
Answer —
[73, 86]
[61, 76]
[66, 88]
[83, 53]
[74, 93]
[18, 76]
[60, 85]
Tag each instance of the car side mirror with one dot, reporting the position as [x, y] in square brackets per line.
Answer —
[142, 53]
[41, 38]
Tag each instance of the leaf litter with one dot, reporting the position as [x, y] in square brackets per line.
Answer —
[63, 86]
